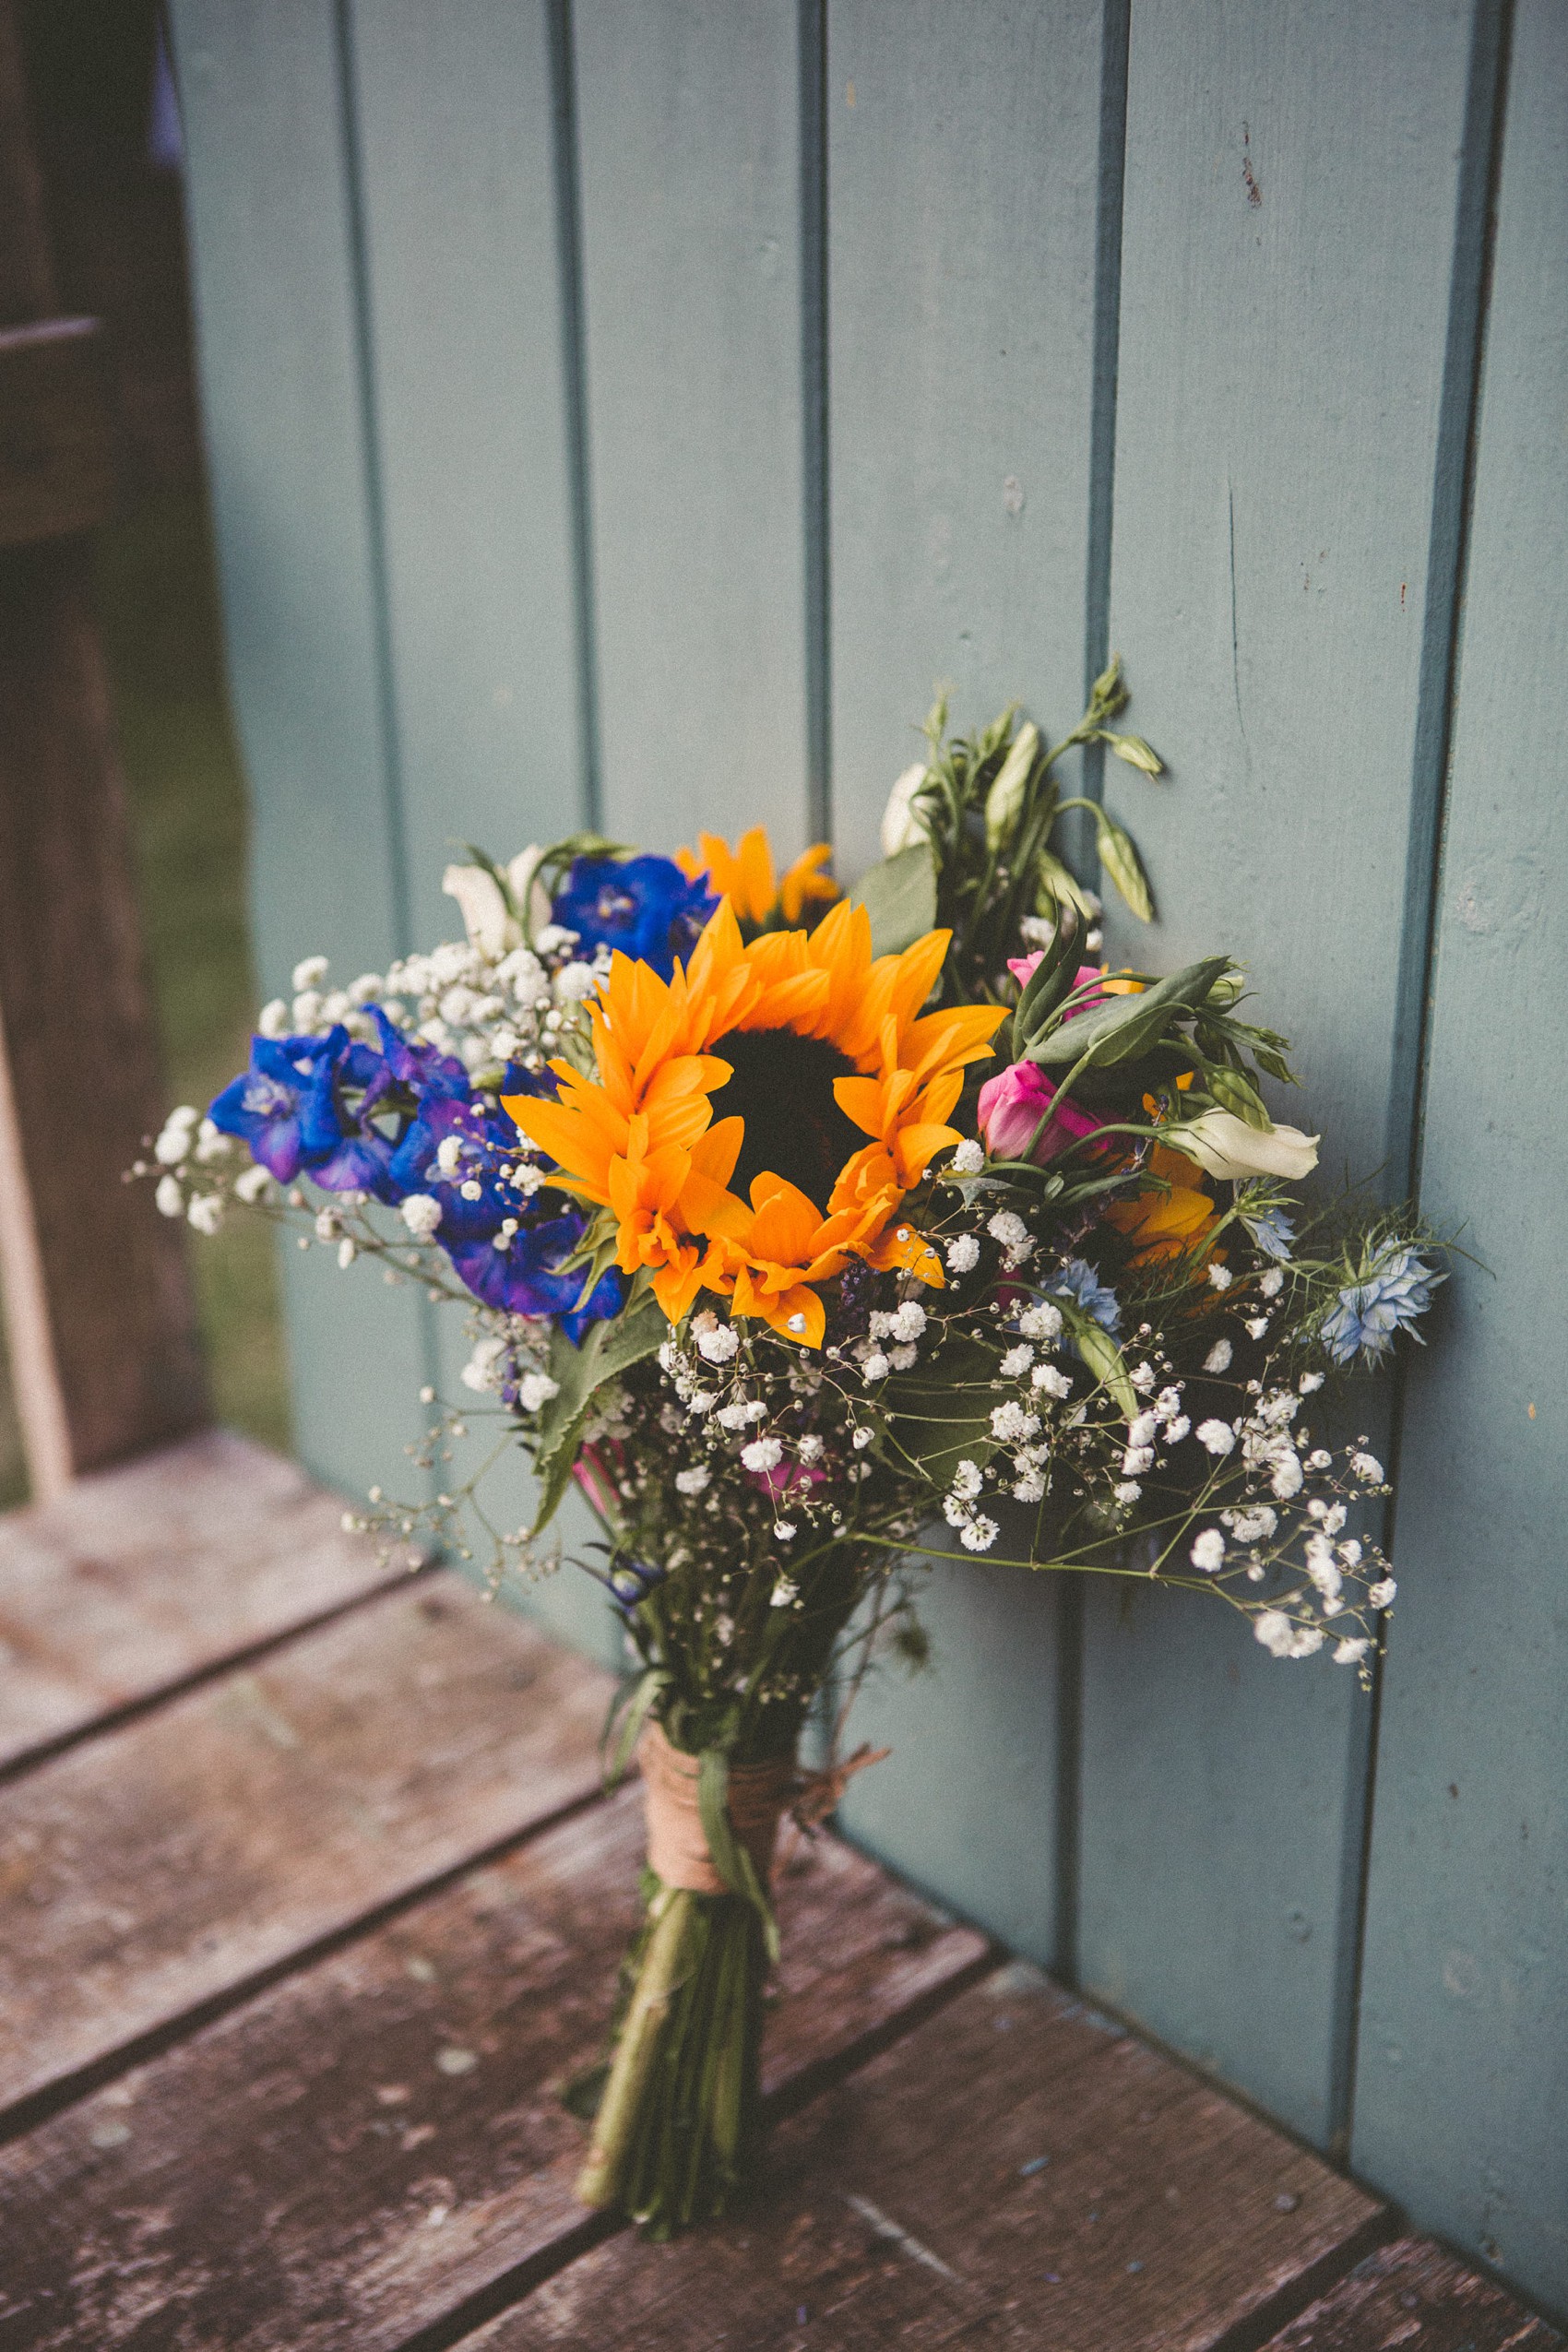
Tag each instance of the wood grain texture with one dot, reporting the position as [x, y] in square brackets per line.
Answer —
[56, 464]
[688, 127]
[964, 179]
[375, 2142]
[165, 1865]
[964, 182]
[1291, 190]
[911, 2207]
[271, 180]
[1415, 2293]
[137, 1577]
[1463, 2071]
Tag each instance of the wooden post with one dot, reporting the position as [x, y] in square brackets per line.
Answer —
[101, 1319]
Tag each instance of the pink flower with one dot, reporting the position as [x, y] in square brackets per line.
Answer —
[1012, 1106]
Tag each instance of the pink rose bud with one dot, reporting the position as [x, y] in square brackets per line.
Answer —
[1012, 1106]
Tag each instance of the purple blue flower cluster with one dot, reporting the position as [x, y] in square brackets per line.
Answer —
[401, 1122]
[646, 906]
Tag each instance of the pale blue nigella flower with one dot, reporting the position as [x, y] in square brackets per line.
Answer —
[1367, 1315]
[1273, 1232]
[1080, 1281]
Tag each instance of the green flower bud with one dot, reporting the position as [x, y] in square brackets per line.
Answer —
[1004, 801]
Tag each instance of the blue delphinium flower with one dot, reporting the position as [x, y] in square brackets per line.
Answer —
[1080, 1281]
[646, 906]
[284, 1107]
[1368, 1314]
[1273, 1232]
[523, 1274]
[454, 1152]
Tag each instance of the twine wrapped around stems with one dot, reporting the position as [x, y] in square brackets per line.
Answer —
[757, 1798]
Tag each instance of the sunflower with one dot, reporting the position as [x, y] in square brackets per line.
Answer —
[833, 1091]
[745, 876]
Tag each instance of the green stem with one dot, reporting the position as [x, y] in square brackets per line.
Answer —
[637, 2050]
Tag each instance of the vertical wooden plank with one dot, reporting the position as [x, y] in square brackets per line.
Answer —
[462, 169]
[1461, 2081]
[689, 118]
[456, 113]
[274, 220]
[965, 211]
[96, 1306]
[964, 190]
[1293, 181]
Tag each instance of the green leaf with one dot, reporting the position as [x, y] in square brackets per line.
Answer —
[1051, 980]
[941, 1410]
[731, 1858]
[609, 1348]
[1124, 866]
[900, 895]
[1101, 1353]
[1125, 1026]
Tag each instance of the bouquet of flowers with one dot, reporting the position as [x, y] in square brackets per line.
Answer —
[792, 1224]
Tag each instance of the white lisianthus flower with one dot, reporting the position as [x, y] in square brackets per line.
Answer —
[901, 826]
[1225, 1147]
[491, 926]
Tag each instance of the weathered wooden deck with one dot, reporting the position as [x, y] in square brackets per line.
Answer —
[311, 1900]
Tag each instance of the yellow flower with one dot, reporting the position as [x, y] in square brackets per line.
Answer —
[836, 1090]
[744, 875]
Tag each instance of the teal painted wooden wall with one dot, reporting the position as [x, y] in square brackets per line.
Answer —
[627, 408]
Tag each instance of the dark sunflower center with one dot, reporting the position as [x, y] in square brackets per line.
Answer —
[783, 1089]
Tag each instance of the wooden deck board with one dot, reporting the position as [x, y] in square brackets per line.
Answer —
[176, 1859]
[910, 2205]
[288, 1991]
[1414, 2293]
[136, 1579]
[379, 2140]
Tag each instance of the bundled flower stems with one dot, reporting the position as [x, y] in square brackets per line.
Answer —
[805, 1234]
